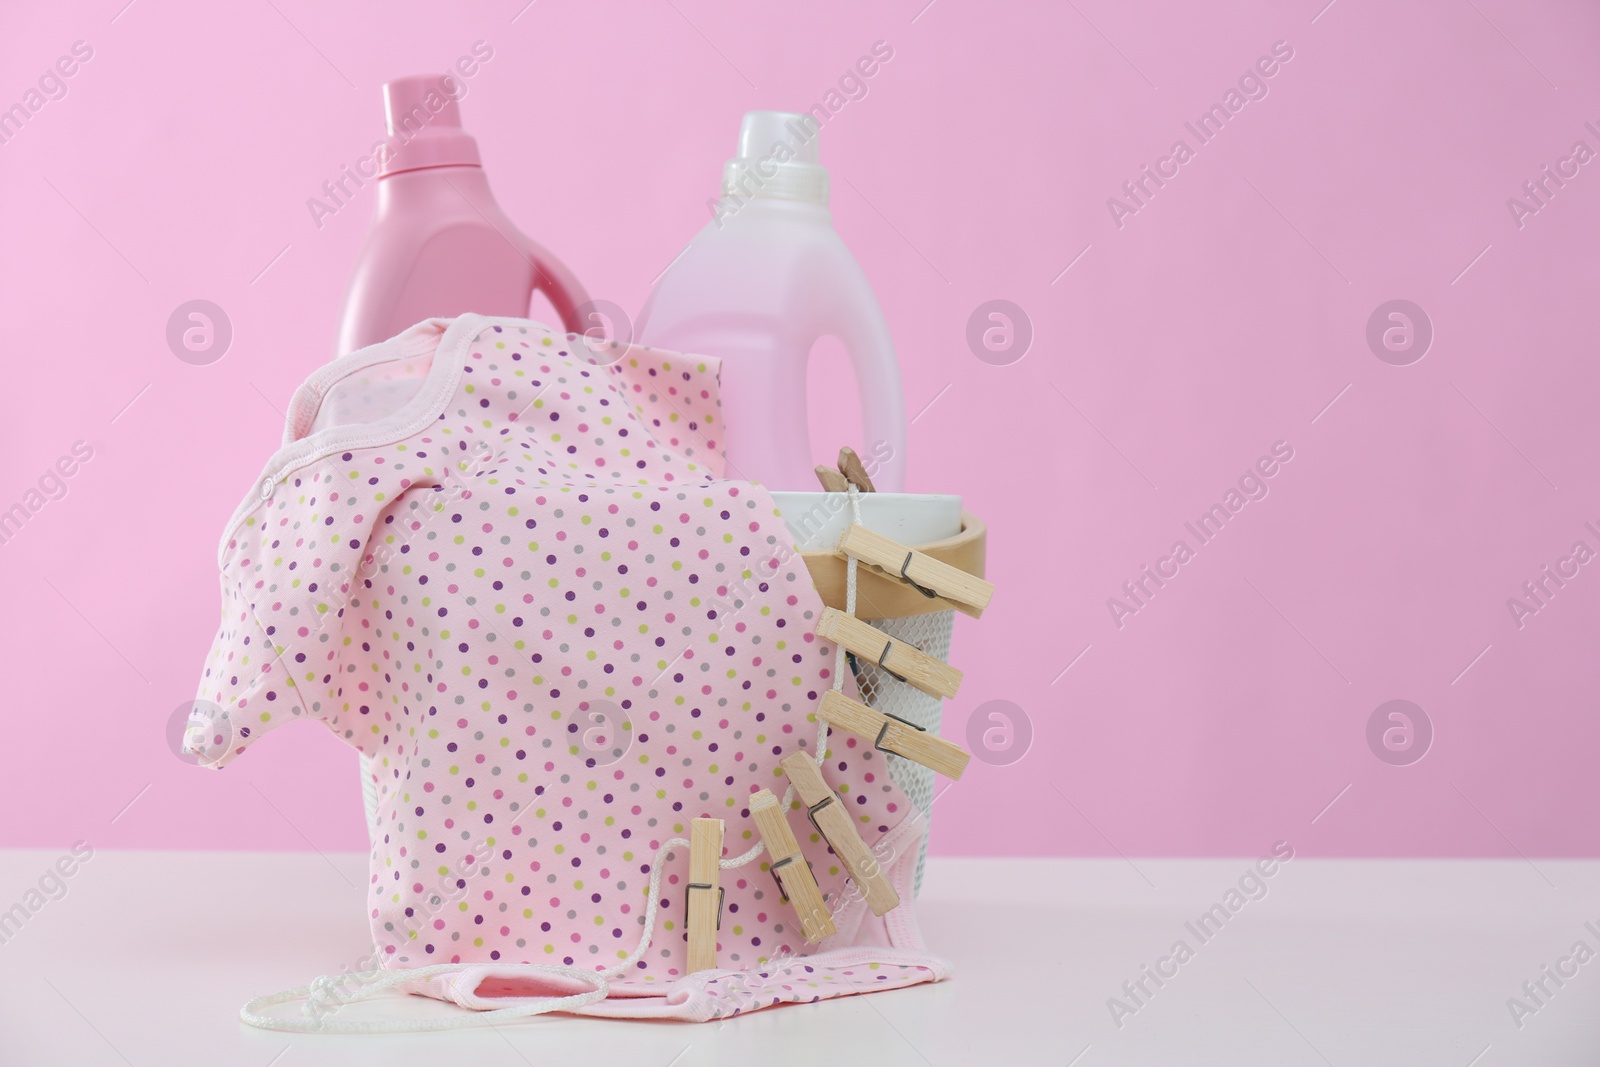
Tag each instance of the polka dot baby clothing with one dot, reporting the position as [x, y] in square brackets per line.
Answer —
[508, 571]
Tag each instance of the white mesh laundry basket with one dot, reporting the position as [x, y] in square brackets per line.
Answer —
[888, 694]
[932, 523]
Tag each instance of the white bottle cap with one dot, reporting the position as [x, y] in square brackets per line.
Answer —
[777, 158]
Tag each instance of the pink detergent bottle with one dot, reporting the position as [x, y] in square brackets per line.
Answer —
[757, 287]
[440, 245]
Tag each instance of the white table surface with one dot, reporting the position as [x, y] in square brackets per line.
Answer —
[148, 957]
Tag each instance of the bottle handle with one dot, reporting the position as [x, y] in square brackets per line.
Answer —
[883, 410]
[559, 285]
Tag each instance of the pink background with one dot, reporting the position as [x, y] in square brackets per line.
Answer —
[1223, 317]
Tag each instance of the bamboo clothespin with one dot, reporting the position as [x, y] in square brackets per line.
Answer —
[832, 481]
[703, 913]
[909, 663]
[827, 814]
[851, 467]
[889, 733]
[796, 884]
[933, 578]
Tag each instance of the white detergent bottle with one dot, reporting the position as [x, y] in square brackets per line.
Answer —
[765, 279]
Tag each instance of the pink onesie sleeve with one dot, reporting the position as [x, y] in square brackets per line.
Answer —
[290, 556]
[293, 558]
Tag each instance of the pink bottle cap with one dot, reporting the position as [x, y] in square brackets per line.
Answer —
[424, 123]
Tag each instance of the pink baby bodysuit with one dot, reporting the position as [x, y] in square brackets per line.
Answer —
[506, 568]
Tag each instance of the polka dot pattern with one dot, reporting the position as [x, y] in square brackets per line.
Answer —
[455, 601]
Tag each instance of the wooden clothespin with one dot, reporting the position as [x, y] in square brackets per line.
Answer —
[827, 814]
[703, 915]
[933, 578]
[796, 884]
[906, 662]
[832, 481]
[851, 467]
[889, 733]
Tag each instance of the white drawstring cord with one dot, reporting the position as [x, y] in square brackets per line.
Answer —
[324, 990]
[850, 572]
